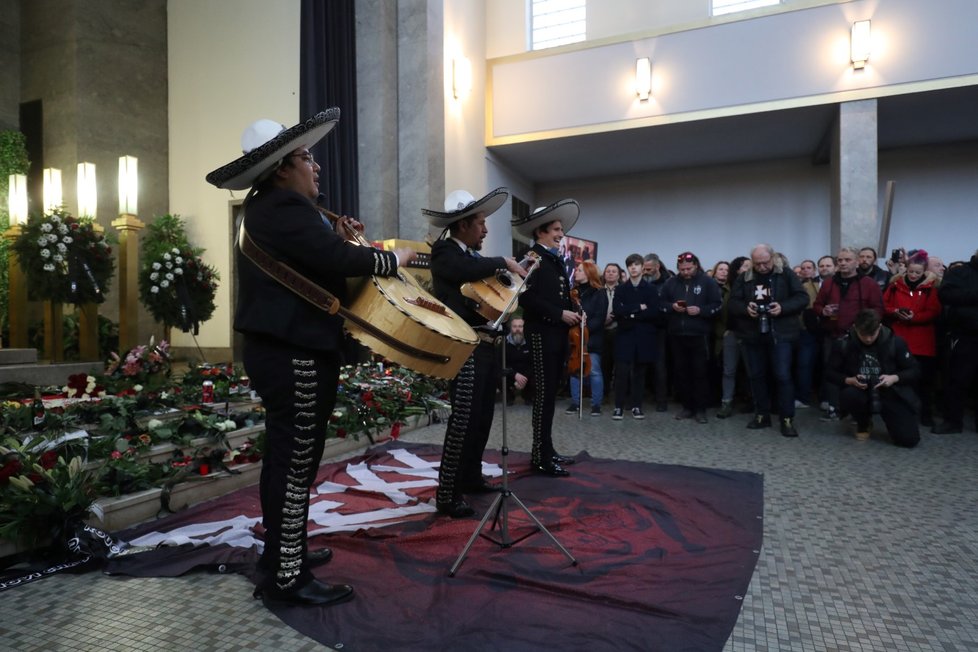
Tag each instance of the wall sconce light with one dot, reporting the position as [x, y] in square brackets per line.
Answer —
[17, 199]
[128, 184]
[860, 44]
[643, 78]
[87, 190]
[52, 189]
[461, 77]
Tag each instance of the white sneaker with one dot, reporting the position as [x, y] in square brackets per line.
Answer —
[800, 405]
[824, 406]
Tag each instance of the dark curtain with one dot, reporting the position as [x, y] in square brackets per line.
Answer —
[328, 77]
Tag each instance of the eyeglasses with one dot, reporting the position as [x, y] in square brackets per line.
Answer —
[305, 156]
[686, 258]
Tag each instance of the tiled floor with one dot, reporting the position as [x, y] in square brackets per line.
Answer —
[866, 547]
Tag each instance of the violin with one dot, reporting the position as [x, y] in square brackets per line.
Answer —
[579, 360]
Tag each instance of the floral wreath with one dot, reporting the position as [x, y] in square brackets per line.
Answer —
[65, 259]
[175, 284]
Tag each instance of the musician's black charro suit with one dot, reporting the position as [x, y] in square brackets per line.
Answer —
[473, 391]
[546, 297]
[291, 355]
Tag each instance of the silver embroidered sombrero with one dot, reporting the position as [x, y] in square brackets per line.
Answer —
[265, 143]
[459, 204]
[565, 210]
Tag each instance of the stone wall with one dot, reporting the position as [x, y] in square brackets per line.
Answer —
[100, 72]
[9, 65]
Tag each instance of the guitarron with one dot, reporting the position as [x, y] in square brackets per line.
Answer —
[395, 317]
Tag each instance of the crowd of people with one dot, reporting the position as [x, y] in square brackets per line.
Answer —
[755, 334]
[863, 339]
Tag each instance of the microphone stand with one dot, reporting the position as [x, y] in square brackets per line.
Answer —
[498, 509]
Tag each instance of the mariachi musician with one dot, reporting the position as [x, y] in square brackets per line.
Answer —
[455, 260]
[290, 346]
[549, 314]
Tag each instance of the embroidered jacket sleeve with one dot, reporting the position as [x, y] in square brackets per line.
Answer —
[287, 226]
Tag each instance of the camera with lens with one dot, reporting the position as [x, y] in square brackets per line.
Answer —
[763, 318]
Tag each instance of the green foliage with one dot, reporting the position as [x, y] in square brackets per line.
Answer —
[13, 160]
[42, 493]
[375, 400]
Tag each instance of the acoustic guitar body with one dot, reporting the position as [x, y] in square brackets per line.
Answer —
[492, 294]
[399, 320]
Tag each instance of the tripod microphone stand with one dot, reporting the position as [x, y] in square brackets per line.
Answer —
[499, 510]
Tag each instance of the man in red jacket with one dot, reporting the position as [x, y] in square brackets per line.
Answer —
[839, 300]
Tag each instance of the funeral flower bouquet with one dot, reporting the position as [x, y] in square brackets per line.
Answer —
[175, 284]
[65, 258]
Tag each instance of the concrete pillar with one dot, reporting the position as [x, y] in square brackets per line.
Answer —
[854, 219]
[401, 114]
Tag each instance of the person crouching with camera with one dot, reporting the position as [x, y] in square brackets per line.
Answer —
[877, 374]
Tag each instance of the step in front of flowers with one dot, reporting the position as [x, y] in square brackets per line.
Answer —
[130, 509]
[112, 514]
[117, 513]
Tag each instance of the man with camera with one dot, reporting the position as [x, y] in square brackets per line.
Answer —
[877, 373]
[767, 299]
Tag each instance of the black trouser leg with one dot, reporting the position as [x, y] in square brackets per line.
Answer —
[856, 402]
[473, 394]
[900, 419]
[962, 369]
[298, 391]
[548, 364]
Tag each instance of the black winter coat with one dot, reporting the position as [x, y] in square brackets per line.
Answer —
[958, 292]
[894, 357]
[636, 327]
[701, 291]
[786, 290]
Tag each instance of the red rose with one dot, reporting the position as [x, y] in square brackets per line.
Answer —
[341, 433]
[11, 467]
[49, 459]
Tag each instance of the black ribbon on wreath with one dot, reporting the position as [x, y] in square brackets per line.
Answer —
[188, 316]
[79, 271]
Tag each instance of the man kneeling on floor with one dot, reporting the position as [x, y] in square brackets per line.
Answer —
[877, 374]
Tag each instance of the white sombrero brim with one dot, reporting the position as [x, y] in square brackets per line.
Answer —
[489, 204]
[565, 210]
[242, 172]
